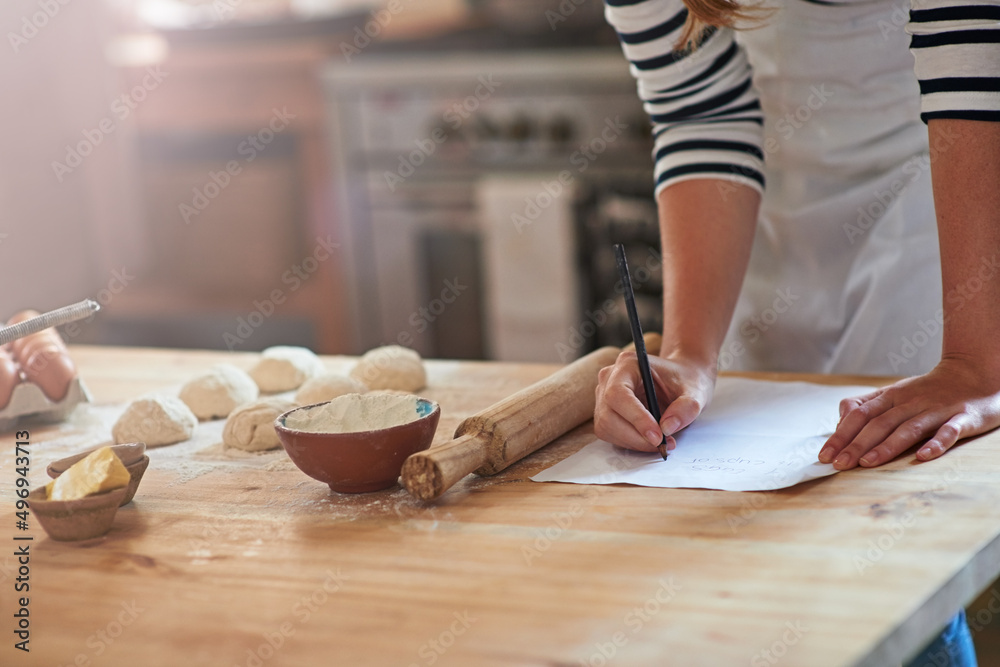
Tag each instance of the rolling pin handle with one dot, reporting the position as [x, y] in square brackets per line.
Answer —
[653, 342]
[428, 474]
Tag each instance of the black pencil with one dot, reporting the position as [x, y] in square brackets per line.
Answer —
[640, 345]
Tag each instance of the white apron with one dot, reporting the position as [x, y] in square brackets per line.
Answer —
[844, 275]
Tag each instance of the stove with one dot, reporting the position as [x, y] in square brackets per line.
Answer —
[467, 183]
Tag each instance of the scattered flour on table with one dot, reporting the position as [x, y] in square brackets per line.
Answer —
[355, 412]
[281, 464]
[219, 452]
[92, 417]
[89, 426]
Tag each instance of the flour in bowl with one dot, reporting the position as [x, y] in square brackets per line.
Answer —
[356, 412]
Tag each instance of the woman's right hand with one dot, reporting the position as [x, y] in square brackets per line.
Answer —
[683, 390]
[706, 242]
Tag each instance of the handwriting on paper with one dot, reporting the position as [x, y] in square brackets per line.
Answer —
[755, 436]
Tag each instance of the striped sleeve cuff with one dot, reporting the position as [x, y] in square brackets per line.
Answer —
[706, 115]
[732, 154]
[956, 48]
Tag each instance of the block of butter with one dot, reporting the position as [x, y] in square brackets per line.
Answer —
[100, 471]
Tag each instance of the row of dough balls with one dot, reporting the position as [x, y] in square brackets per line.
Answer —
[226, 391]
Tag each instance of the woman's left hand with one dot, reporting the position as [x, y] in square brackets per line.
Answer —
[956, 400]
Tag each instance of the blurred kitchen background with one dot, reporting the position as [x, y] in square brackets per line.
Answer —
[340, 174]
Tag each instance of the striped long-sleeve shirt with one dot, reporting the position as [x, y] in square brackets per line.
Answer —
[707, 118]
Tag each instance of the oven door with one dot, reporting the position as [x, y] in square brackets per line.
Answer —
[426, 288]
[476, 268]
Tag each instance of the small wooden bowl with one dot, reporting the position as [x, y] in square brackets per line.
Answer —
[72, 520]
[132, 456]
[362, 461]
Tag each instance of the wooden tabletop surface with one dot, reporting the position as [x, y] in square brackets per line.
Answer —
[246, 561]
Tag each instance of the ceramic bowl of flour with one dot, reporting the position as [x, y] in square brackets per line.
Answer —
[357, 442]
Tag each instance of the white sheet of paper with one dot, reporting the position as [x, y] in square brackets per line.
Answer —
[755, 436]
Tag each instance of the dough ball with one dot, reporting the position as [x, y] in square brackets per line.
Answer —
[327, 387]
[391, 367]
[156, 420]
[250, 427]
[285, 367]
[217, 393]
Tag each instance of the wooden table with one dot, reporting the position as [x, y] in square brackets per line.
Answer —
[256, 564]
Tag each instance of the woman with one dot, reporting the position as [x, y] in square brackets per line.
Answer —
[881, 189]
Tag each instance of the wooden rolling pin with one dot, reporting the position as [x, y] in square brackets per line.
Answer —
[519, 425]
